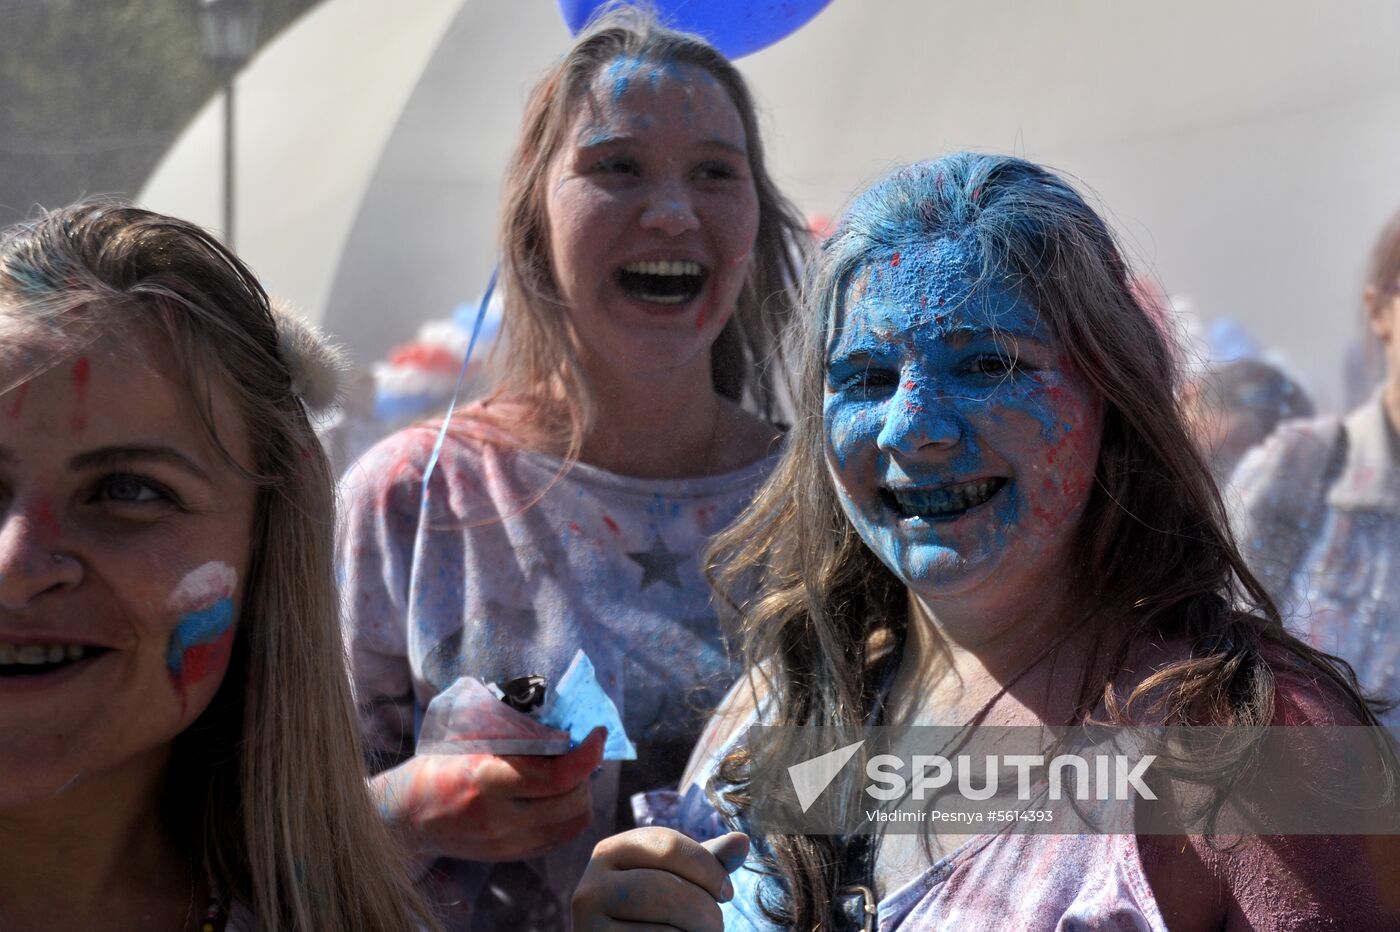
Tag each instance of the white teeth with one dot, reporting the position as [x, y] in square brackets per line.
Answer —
[948, 499]
[34, 655]
[663, 267]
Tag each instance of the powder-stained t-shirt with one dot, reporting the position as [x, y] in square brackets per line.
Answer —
[505, 566]
[1044, 883]
[1003, 881]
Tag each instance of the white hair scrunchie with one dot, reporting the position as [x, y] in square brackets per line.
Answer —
[316, 364]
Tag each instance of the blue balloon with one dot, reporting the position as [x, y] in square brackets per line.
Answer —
[735, 27]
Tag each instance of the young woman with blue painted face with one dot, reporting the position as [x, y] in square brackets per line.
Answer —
[179, 746]
[989, 512]
[648, 267]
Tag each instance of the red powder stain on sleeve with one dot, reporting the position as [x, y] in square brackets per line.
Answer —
[612, 525]
[17, 406]
[573, 526]
[894, 261]
[82, 371]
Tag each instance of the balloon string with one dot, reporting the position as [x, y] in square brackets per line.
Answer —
[457, 389]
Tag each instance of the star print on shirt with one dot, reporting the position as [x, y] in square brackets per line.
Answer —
[658, 564]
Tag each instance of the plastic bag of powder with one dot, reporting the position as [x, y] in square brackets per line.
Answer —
[468, 718]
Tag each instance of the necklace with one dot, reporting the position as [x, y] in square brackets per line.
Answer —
[855, 904]
[214, 917]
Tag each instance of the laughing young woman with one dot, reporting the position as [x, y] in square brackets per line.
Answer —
[648, 263]
[990, 512]
[179, 746]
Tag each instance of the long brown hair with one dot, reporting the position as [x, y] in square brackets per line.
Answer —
[268, 782]
[1153, 531]
[542, 367]
[1383, 271]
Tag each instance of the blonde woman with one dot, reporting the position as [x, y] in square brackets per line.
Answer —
[180, 750]
[647, 268]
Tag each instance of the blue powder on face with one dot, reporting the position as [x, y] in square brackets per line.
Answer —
[905, 373]
[627, 72]
[619, 72]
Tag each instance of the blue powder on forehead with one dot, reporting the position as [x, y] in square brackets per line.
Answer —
[921, 278]
[622, 71]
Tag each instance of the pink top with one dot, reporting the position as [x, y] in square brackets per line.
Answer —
[1100, 882]
[1018, 881]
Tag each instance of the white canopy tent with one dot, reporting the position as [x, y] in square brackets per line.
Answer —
[1248, 153]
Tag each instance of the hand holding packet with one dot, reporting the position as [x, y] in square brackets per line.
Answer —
[578, 705]
[470, 717]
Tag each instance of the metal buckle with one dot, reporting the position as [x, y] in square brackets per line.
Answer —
[869, 906]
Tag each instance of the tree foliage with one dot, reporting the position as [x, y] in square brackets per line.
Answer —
[92, 92]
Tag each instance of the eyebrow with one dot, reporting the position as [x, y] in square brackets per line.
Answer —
[726, 145]
[603, 140]
[116, 456]
[961, 336]
[871, 341]
[596, 140]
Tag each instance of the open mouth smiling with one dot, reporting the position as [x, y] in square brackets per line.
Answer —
[668, 282]
[34, 660]
[942, 503]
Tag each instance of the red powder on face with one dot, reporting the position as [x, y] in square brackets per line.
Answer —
[201, 660]
[43, 514]
[82, 371]
[17, 405]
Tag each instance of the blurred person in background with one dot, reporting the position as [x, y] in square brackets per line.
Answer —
[1233, 406]
[1317, 509]
[648, 271]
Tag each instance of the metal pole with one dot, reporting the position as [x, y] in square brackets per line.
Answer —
[228, 161]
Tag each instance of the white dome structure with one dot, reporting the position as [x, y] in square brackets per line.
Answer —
[1246, 152]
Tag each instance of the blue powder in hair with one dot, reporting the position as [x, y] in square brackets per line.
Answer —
[29, 279]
